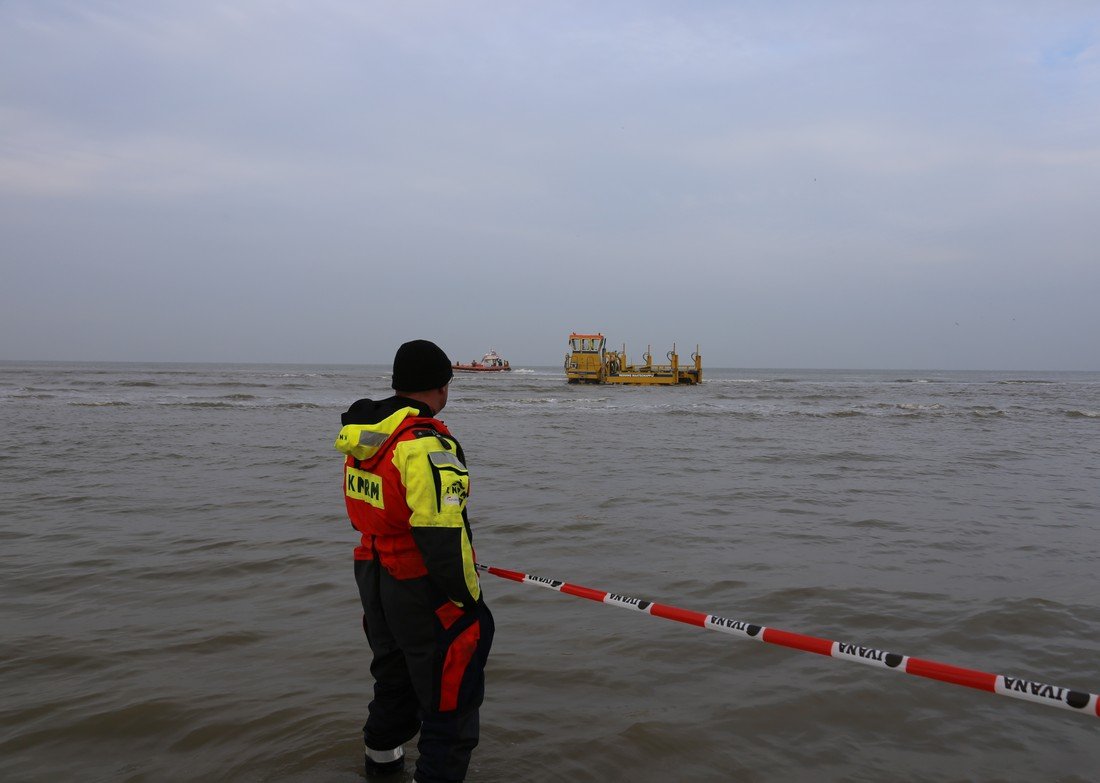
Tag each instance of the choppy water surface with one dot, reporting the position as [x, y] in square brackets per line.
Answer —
[178, 603]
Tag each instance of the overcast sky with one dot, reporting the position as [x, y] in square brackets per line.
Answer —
[787, 184]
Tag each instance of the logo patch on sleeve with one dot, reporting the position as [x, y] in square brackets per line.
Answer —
[455, 493]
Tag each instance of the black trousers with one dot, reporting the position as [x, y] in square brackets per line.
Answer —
[428, 667]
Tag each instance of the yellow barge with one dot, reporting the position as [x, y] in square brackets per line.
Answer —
[589, 361]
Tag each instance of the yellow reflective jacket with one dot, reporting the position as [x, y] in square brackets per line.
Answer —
[405, 489]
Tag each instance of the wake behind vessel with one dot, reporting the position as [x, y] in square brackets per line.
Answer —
[590, 362]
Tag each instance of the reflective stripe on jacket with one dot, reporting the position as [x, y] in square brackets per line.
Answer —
[405, 489]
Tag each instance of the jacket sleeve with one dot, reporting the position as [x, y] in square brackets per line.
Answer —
[437, 486]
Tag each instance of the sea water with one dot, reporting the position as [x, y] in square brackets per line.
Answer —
[177, 597]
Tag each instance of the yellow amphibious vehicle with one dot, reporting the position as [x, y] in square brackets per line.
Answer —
[588, 361]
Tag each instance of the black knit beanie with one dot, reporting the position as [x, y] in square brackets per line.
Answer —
[420, 365]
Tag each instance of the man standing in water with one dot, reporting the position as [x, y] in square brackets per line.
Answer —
[405, 487]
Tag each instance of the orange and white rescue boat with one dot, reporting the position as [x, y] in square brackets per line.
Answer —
[490, 362]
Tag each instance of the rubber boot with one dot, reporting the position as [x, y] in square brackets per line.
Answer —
[383, 763]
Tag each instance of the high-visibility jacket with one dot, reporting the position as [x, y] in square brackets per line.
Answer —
[405, 488]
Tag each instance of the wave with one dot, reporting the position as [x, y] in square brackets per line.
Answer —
[1081, 414]
[238, 402]
[219, 384]
[100, 404]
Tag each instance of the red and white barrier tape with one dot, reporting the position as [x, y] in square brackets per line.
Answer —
[1027, 690]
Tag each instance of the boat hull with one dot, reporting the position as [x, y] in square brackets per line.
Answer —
[470, 368]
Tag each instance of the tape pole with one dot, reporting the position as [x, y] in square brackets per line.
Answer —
[1079, 702]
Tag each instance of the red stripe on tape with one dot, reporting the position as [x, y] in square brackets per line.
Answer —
[798, 641]
[583, 592]
[515, 576]
[679, 615]
[971, 678]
